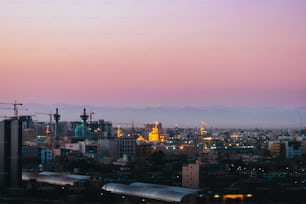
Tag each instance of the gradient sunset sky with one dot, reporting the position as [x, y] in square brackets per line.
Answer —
[135, 53]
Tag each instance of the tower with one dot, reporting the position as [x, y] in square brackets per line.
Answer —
[56, 118]
[84, 118]
[10, 154]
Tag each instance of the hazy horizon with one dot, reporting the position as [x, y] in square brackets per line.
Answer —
[170, 116]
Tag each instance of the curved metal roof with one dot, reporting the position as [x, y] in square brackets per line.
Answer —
[55, 178]
[173, 188]
[151, 191]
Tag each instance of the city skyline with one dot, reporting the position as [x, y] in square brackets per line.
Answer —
[171, 116]
[154, 53]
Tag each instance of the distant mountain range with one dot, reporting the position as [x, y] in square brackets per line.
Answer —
[223, 117]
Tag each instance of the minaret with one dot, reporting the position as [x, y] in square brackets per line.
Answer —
[118, 132]
[84, 118]
[56, 118]
[48, 140]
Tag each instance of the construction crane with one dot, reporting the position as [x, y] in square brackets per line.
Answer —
[49, 114]
[15, 104]
[128, 124]
[90, 116]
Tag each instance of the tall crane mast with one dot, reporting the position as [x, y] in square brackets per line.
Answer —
[90, 116]
[15, 104]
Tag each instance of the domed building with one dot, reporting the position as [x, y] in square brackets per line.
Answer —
[141, 140]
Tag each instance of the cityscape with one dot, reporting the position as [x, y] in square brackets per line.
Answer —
[152, 101]
[99, 161]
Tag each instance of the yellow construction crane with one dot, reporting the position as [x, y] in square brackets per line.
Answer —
[15, 104]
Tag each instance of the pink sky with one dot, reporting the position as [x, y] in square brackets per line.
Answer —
[153, 52]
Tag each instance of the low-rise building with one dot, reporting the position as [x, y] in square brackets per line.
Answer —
[127, 145]
[294, 149]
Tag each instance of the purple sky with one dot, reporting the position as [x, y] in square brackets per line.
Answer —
[154, 52]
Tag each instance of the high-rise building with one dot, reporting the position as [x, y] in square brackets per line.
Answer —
[10, 154]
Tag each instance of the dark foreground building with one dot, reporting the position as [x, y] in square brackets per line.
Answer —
[10, 154]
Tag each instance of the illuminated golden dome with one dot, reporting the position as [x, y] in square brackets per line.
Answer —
[140, 138]
[154, 135]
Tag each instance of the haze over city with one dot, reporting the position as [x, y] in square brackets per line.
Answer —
[242, 55]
